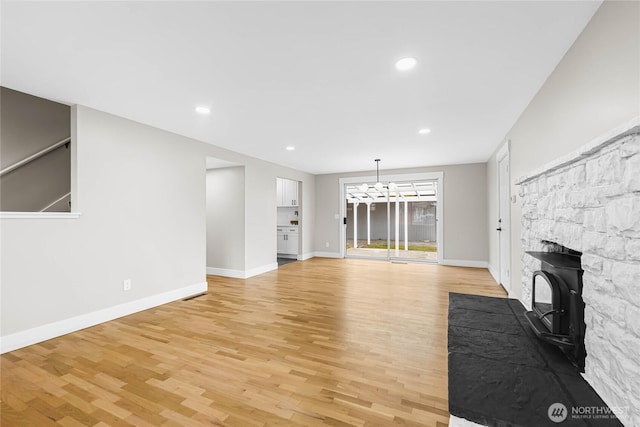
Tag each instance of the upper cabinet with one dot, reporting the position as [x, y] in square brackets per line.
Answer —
[287, 192]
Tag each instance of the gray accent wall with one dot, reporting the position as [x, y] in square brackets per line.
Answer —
[29, 125]
[463, 206]
[594, 89]
[37, 184]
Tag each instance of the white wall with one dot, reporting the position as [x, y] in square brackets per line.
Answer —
[463, 204]
[225, 220]
[262, 211]
[261, 208]
[141, 194]
[595, 88]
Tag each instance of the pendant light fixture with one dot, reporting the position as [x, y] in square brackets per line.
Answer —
[379, 186]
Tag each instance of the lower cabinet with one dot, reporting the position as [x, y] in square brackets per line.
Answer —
[287, 241]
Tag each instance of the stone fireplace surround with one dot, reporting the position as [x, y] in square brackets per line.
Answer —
[589, 201]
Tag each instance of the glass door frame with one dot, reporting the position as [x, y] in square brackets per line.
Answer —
[425, 176]
[388, 223]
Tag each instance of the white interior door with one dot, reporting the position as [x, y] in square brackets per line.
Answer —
[504, 226]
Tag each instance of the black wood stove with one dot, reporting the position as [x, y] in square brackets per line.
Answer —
[557, 307]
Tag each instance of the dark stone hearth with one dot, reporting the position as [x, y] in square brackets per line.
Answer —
[501, 375]
[506, 348]
[491, 322]
[480, 303]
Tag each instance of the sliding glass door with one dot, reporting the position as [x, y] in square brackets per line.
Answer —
[396, 221]
[413, 222]
[367, 222]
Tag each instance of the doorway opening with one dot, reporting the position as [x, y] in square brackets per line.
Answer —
[397, 222]
[289, 219]
[225, 213]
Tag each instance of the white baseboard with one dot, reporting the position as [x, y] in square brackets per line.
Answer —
[226, 272]
[465, 263]
[494, 273]
[306, 256]
[62, 327]
[496, 277]
[241, 274]
[327, 254]
[260, 270]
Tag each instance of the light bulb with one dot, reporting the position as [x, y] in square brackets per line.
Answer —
[203, 109]
[406, 64]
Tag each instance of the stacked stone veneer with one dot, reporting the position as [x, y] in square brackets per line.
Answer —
[590, 202]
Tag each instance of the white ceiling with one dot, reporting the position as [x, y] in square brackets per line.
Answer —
[315, 75]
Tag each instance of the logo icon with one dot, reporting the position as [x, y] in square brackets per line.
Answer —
[557, 412]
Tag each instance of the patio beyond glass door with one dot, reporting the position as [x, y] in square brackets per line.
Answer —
[367, 224]
[397, 222]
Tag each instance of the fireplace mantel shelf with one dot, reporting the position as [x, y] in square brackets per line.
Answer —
[558, 260]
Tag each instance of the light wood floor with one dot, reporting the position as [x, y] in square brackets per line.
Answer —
[319, 342]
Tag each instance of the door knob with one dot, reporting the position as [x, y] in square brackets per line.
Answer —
[499, 229]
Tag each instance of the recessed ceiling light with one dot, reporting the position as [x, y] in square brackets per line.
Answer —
[290, 148]
[424, 131]
[406, 64]
[203, 109]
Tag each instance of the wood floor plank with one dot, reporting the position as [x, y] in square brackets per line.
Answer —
[320, 342]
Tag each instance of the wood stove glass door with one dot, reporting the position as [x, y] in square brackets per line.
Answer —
[543, 299]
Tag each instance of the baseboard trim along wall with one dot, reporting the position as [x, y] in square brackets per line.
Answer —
[241, 274]
[226, 272]
[306, 256]
[465, 263]
[52, 330]
[259, 270]
[494, 273]
[496, 277]
[327, 254]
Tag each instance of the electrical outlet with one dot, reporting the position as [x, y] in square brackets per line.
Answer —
[326, 244]
[126, 285]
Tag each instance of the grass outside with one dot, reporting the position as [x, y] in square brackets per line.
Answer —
[413, 246]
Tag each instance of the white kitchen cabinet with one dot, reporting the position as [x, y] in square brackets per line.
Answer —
[287, 240]
[287, 192]
[290, 192]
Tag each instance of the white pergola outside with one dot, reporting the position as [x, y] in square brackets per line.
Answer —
[393, 193]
